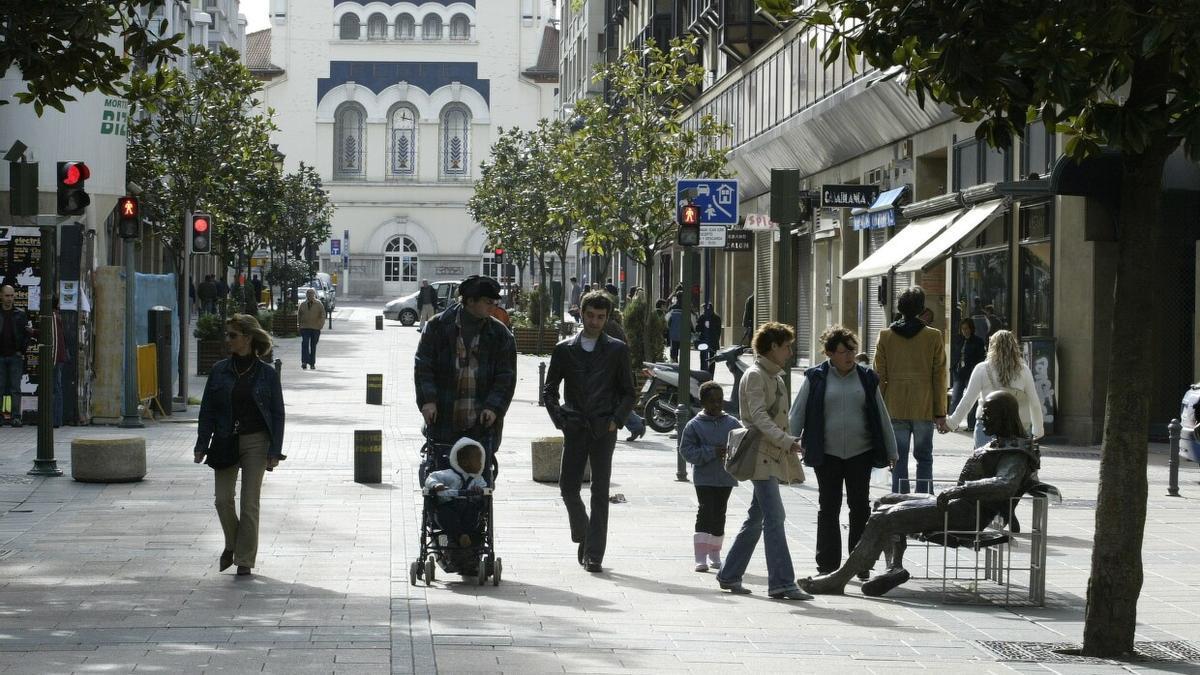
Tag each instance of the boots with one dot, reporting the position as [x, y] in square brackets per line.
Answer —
[700, 545]
[714, 551]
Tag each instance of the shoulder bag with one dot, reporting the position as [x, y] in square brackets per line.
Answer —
[223, 450]
[742, 457]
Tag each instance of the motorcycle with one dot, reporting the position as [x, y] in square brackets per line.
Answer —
[659, 399]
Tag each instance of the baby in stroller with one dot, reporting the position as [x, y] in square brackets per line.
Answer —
[458, 490]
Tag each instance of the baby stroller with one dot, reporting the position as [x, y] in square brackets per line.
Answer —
[437, 550]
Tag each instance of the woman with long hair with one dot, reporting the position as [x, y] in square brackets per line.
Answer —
[1004, 369]
[241, 427]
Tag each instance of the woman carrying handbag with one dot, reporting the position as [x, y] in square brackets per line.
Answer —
[241, 427]
[763, 405]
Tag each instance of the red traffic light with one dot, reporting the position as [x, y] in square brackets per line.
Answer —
[127, 207]
[200, 224]
[75, 173]
[499, 252]
[689, 215]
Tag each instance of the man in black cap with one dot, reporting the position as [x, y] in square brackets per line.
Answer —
[466, 368]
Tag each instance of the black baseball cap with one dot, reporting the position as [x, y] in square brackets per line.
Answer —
[477, 286]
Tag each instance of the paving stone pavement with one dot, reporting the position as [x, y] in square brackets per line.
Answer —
[122, 577]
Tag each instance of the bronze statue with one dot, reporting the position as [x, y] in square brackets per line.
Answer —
[992, 476]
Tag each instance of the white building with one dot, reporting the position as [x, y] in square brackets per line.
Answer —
[396, 103]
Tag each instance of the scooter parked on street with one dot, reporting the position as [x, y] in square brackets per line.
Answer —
[659, 398]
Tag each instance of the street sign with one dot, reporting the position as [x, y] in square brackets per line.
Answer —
[739, 240]
[712, 236]
[716, 197]
[335, 247]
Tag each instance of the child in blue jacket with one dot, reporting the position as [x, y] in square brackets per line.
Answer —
[703, 445]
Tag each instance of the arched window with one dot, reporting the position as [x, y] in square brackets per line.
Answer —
[460, 27]
[349, 27]
[406, 27]
[456, 141]
[431, 29]
[402, 141]
[377, 27]
[400, 260]
[348, 128]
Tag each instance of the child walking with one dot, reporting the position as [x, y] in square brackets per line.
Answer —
[703, 445]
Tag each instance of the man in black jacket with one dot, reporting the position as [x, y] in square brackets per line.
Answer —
[14, 336]
[426, 303]
[598, 396]
[466, 368]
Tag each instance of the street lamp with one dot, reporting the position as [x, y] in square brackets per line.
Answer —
[277, 157]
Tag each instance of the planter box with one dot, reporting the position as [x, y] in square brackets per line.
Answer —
[209, 352]
[547, 460]
[285, 324]
[535, 340]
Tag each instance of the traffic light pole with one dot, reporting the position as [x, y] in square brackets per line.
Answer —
[683, 414]
[45, 464]
[129, 402]
[185, 316]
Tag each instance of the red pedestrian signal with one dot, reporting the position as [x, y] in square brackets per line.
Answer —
[689, 225]
[127, 217]
[73, 199]
[201, 233]
[689, 215]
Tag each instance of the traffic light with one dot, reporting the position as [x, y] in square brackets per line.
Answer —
[72, 198]
[201, 233]
[499, 256]
[127, 217]
[689, 225]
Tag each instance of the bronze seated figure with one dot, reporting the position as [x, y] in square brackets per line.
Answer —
[992, 476]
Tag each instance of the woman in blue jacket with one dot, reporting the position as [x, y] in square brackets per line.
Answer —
[242, 405]
[704, 445]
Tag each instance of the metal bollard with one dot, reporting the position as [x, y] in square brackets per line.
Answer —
[368, 456]
[541, 382]
[379, 322]
[683, 415]
[279, 367]
[375, 389]
[330, 317]
[1173, 430]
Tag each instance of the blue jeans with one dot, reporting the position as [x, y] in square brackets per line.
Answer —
[765, 518]
[11, 370]
[921, 432]
[308, 345]
[981, 439]
[635, 423]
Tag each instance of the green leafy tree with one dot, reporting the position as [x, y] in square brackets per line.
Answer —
[1121, 74]
[80, 46]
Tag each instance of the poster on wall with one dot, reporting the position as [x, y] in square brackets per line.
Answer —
[1040, 355]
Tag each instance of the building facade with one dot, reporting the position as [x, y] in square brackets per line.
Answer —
[396, 104]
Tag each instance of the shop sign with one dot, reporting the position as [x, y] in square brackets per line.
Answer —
[739, 240]
[759, 222]
[849, 196]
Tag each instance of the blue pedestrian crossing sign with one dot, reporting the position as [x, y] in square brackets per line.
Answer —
[716, 197]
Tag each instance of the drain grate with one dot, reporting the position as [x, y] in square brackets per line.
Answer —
[1177, 651]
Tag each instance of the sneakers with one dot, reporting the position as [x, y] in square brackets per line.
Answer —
[701, 567]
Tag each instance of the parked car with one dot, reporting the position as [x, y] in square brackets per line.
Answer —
[404, 308]
[324, 288]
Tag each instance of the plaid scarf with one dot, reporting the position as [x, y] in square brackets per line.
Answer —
[466, 363]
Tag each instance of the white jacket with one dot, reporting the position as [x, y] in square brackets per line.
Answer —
[984, 381]
[455, 478]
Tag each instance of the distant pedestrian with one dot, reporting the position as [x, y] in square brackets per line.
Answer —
[708, 329]
[242, 411]
[207, 294]
[843, 424]
[222, 288]
[15, 330]
[311, 316]
[762, 399]
[748, 320]
[676, 328]
[426, 303]
[465, 369]
[258, 289]
[910, 359]
[594, 373]
[966, 351]
[61, 356]
[1004, 369]
[576, 293]
[704, 445]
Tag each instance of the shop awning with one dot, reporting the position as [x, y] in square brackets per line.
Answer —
[900, 247]
[970, 224]
[881, 213]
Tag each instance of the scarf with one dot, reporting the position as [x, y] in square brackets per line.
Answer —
[466, 363]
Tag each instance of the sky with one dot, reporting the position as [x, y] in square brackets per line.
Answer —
[256, 14]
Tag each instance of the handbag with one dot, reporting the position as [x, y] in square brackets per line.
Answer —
[742, 457]
[223, 450]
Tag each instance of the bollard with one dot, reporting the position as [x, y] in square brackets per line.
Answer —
[368, 456]
[379, 322]
[329, 315]
[1174, 429]
[684, 414]
[279, 368]
[375, 389]
[541, 382]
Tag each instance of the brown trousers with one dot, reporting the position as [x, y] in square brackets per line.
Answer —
[241, 533]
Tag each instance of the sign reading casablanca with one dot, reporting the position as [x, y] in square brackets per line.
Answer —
[849, 196]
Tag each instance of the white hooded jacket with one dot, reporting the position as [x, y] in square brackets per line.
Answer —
[455, 478]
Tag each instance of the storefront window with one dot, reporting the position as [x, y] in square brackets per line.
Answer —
[980, 280]
[1036, 301]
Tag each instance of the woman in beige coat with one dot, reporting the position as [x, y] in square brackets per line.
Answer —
[764, 404]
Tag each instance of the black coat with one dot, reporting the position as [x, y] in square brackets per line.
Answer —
[598, 389]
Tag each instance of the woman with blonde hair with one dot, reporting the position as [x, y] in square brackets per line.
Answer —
[1004, 369]
[241, 427]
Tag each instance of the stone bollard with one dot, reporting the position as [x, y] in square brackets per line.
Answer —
[115, 459]
[547, 460]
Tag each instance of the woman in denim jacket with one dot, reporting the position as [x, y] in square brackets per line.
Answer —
[243, 397]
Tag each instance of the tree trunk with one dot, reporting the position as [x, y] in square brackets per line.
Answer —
[1116, 575]
[648, 268]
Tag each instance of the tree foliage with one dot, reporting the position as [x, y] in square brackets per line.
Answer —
[1121, 74]
[79, 45]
